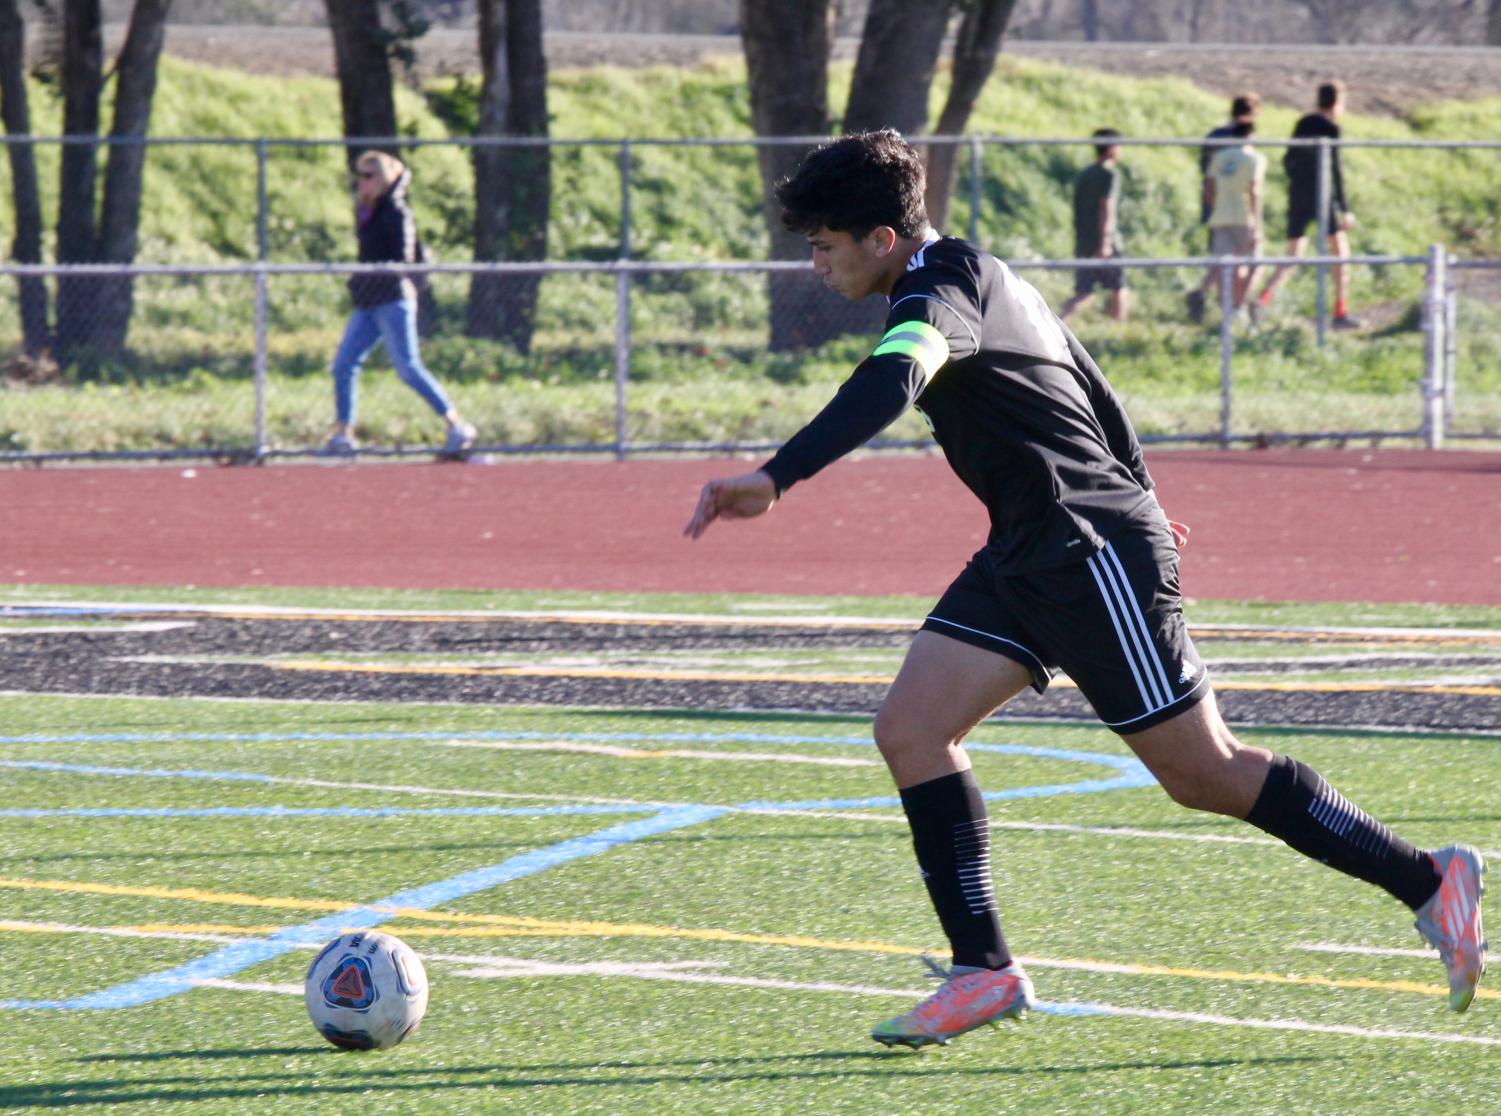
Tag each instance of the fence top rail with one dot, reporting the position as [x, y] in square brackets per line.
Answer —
[983, 139]
[629, 266]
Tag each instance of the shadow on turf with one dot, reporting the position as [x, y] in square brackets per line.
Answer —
[881, 1064]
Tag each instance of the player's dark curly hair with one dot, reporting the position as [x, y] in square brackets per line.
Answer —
[857, 183]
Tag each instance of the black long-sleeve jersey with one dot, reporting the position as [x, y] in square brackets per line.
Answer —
[1023, 414]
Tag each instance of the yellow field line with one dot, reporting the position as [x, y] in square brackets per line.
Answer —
[841, 679]
[506, 926]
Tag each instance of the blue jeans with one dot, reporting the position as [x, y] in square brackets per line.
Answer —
[395, 323]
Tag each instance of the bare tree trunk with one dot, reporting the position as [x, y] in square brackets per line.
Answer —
[364, 68]
[26, 248]
[82, 78]
[1493, 23]
[512, 185]
[976, 48]
[894, 69]
[119, 219]
[1089, 18]
[787, 59]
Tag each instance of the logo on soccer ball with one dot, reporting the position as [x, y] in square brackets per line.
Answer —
[349, 985]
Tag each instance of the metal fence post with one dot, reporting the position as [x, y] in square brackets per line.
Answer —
[622, 354]
[1227, 311]
[1434, 347]
[1451, 343]
[974, 189]
[1325, 193]
[260, 199]
[261, 316]
[625, 200]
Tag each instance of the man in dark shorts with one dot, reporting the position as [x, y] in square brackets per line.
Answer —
[1302, 166]
[1097, 192]
[1080, 573]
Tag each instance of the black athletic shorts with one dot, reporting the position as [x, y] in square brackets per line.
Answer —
[1086, 279]
[1303, 211]
[1113, 622]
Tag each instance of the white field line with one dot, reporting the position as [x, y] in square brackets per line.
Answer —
[249, 986]
[585, 616]
[1367, 951]
[25, 926]
[495, 967]
[668, 711]
[655, 753]
[516, 967]
[92, 629]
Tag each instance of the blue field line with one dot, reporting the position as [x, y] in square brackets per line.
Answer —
[239, 956]
[327, 811]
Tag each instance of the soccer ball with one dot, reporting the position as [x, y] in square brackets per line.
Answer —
[366, 990]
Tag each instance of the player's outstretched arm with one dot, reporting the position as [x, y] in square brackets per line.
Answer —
[742, 497]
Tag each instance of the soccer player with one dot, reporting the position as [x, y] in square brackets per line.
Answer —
[1302, 166]
[1080, 572]
[1097, 192]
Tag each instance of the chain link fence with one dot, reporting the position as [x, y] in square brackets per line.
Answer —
[232, 362]
[629, 350]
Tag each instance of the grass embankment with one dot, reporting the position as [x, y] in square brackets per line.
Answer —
[700, 369]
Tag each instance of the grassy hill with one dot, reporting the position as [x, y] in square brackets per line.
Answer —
[190, 342]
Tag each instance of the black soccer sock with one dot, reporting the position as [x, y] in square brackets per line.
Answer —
[951, 835]
[1298, 807]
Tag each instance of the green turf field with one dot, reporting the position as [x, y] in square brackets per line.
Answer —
[648, 912]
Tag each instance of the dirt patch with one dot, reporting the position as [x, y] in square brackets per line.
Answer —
[1381, 80]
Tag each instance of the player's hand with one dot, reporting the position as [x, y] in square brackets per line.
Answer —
[742, 497]
[1347, 221]
[1180, 533]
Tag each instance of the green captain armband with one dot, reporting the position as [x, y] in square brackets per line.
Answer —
[918, 340]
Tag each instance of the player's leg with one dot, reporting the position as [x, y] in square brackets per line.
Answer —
[944, 689]
[1201, 765]
[959, 669]
[360, 336]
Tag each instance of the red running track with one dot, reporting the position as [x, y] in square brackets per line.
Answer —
[1308, 525]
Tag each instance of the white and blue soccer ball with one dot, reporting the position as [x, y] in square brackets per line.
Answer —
[366, 990]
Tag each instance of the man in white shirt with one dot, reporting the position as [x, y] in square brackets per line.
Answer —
[1234, 193]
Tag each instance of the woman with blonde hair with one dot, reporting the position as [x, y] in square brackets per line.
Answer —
[385, 305]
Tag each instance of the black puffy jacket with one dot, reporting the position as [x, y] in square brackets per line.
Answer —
[389, 233]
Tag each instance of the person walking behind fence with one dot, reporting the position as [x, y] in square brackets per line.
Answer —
[1302, 166]
[1097, 191]
[385, 305]
[1079, 572]
[1235, 181]
[1243, 107]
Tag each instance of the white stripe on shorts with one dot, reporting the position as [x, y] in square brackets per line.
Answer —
[1131, 630]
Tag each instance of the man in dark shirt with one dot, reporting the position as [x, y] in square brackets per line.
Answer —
[1080, 572]
[1243, 110]
[1302, 166]
[1097, 192]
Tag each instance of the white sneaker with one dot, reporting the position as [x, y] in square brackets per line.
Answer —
[459, 441]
